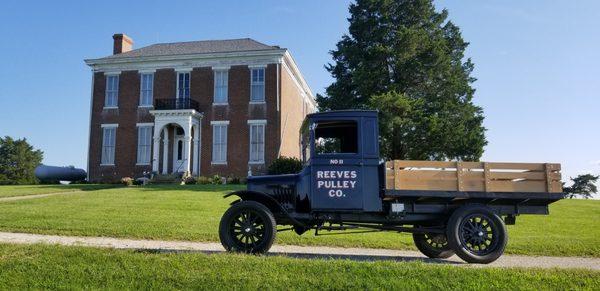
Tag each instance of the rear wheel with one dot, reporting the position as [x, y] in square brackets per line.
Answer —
[433, 245]
[476, 234]
[248, 227]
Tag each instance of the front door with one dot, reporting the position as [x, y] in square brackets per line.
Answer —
[178, 156]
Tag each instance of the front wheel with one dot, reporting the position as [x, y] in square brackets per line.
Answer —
[248, 227]
[433, 245]
[476, 234]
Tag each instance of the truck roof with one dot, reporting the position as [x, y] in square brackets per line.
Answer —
[345, 113]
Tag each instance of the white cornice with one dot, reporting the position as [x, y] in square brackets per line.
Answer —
[290, 65]
[187, 61]
[175, 113]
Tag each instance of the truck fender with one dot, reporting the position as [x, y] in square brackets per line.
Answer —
[267, 201]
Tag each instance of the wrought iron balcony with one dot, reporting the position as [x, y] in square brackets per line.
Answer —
[176, 104]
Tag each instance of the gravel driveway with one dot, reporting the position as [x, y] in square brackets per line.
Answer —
[299, 251]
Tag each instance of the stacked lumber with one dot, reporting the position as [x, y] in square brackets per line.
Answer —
[473, 176]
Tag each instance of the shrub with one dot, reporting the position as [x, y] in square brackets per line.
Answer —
[203, 180]
[233, 180]
[127, 181]
[188, 180]
[216, 179]
[285, 165]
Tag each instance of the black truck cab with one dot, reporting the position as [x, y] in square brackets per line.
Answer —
[343, 170]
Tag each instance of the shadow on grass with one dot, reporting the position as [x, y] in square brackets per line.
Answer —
[308, 256]
[205, 188]
[74, 187]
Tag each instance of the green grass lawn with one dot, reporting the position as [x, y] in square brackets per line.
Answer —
[58, 267]
[24, 190]
[193, 213]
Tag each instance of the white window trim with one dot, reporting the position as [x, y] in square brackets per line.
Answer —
[262, 66]
[144, 124]
[103, 126]
[220, 123]
[215, 70]
[184, 70]
[147, 71]
[264, 84]
[257, 121]
[142, 73]
[137, 126]
[262, 122]
[112, 74]
[221, 68]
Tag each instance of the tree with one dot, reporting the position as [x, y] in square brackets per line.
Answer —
[582, 185]
[18, 160]
[406, 60]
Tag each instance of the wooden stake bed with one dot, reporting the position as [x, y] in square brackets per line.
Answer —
[473, 176]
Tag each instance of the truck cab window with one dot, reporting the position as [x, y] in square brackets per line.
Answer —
[336, 137]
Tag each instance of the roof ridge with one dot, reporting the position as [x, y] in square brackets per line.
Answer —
[207, 40]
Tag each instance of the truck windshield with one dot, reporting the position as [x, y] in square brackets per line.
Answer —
[305, 141]
[336, 137]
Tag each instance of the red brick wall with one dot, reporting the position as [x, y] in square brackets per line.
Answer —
[238, 112]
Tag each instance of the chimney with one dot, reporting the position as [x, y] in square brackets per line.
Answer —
[122, 43]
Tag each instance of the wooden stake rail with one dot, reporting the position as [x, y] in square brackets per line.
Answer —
[473, 176]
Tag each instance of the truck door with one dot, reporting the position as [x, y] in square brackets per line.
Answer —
[336, 165]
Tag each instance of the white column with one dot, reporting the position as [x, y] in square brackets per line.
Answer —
[196, 150]
[187, 150]
[155, 151]
[165, 151]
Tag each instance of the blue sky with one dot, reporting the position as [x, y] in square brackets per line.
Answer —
[536, 63]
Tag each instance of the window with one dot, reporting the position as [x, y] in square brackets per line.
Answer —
[219, 154]
[144, 145]
[183, 85]
[147, 81]
[108, 144]
[257, 87]
[112, 91]
[180, 150]
[257, 141]
[335, 137]
[221, 87]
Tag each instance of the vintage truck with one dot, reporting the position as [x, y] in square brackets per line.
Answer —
[450, 208]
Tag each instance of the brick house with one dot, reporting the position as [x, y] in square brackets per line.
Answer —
[202, 107]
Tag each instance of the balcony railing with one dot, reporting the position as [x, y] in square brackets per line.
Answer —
[176, 104]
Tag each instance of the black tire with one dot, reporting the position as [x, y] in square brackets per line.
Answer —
[476, 234]
[433, 245]
[247, 227]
